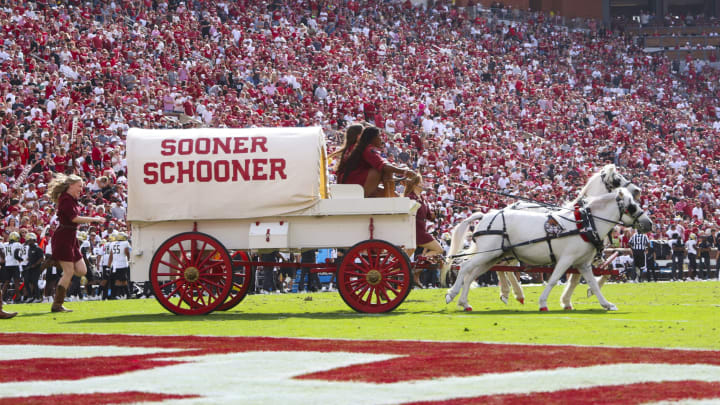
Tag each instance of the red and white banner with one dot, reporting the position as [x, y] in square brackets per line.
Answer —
[224, 173]
[94, 369]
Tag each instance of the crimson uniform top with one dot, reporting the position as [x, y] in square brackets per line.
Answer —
[422, 236]
[371, 159]
[64, 241]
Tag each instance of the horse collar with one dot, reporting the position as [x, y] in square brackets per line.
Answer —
[586, 226]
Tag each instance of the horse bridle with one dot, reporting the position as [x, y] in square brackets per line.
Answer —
[616, 182]
[632, 210]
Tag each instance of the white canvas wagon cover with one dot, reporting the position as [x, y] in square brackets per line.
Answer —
[224, 173]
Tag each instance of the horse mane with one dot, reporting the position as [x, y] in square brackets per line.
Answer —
[603, 197]
[609, 168]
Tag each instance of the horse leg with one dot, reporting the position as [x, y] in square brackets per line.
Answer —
[455, 289]
[560, 269]
[517, 288]
[477, 270]
[601, 282]
[504, 286]
[447, 265]
[566, 298]
[586, 271]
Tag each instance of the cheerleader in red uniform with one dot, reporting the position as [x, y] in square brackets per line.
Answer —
[65, 191]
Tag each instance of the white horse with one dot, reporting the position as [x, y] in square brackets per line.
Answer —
[604, 181]
[521, 234]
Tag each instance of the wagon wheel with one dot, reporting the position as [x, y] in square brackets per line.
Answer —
[242, 278]
[374, 277]
[190, 274]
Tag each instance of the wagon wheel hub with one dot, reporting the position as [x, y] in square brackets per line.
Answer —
[192, 274]
[373, 277]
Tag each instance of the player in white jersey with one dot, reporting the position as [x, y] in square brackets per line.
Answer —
[97, 254]
[4, 314]
[52, 273]
[120, 264]
[13, 257]
[104, 263]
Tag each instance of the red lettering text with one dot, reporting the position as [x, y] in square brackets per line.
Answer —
[202, 146]
[185, 146]
[224, 167]
[277, 168]
[258, 166]
[182, 172]
[218, 142]
[206, 166]
[168, 147]
[259, 142]
[166, 179]
[240, 145]
[243, 171]
[151, 176]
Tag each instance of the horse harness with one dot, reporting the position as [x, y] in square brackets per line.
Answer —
[585, 227]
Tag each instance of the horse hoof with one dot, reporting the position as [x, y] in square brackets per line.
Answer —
[448, 298]
[543, 309]
[521, 300]
[468, 309]
[568, 308]
[611, 307]
[504, 300]
[589, 293]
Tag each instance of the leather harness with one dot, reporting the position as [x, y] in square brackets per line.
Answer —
[585, 227]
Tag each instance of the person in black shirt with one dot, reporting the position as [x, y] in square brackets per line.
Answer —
[31, 272]
[706, 243]
[678, 257]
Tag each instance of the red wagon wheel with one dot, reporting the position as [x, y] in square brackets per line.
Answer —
[374, 277]
[242, 278]
[191, 274]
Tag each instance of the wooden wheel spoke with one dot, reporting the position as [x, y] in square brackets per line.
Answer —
[355, 273]
[173, 291]
[381, 294]
[184, 254]
[172, 266]
[388, 286]
[177, 259]
[205, 271]
[201, 264]
[201, 297]
[394, 273]
[178, 274]
[363, 260]
[355, 282]
[199, 256]
[389, 266]
[363, 290]
[212, 283]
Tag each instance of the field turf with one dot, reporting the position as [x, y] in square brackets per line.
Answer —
[682, 315]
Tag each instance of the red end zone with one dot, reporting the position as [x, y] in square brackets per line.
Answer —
[451, 372]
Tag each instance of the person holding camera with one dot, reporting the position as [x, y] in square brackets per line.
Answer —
[678, 257]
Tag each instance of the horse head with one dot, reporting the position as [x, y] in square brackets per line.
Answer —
[631, 214]
[613, 180]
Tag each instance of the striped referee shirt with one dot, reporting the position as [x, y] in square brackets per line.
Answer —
[638, 242]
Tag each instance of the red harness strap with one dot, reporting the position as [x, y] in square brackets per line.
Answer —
[579, 223]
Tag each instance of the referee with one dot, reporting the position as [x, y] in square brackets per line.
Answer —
[638, 244]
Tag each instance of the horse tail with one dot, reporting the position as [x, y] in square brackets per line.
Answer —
[456, 243]
[459, 233]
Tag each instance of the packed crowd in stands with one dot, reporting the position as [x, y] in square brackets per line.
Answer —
[529, 108]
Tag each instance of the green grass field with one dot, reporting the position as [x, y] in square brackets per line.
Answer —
[651, 315]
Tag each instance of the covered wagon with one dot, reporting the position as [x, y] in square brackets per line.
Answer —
[203, 202]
